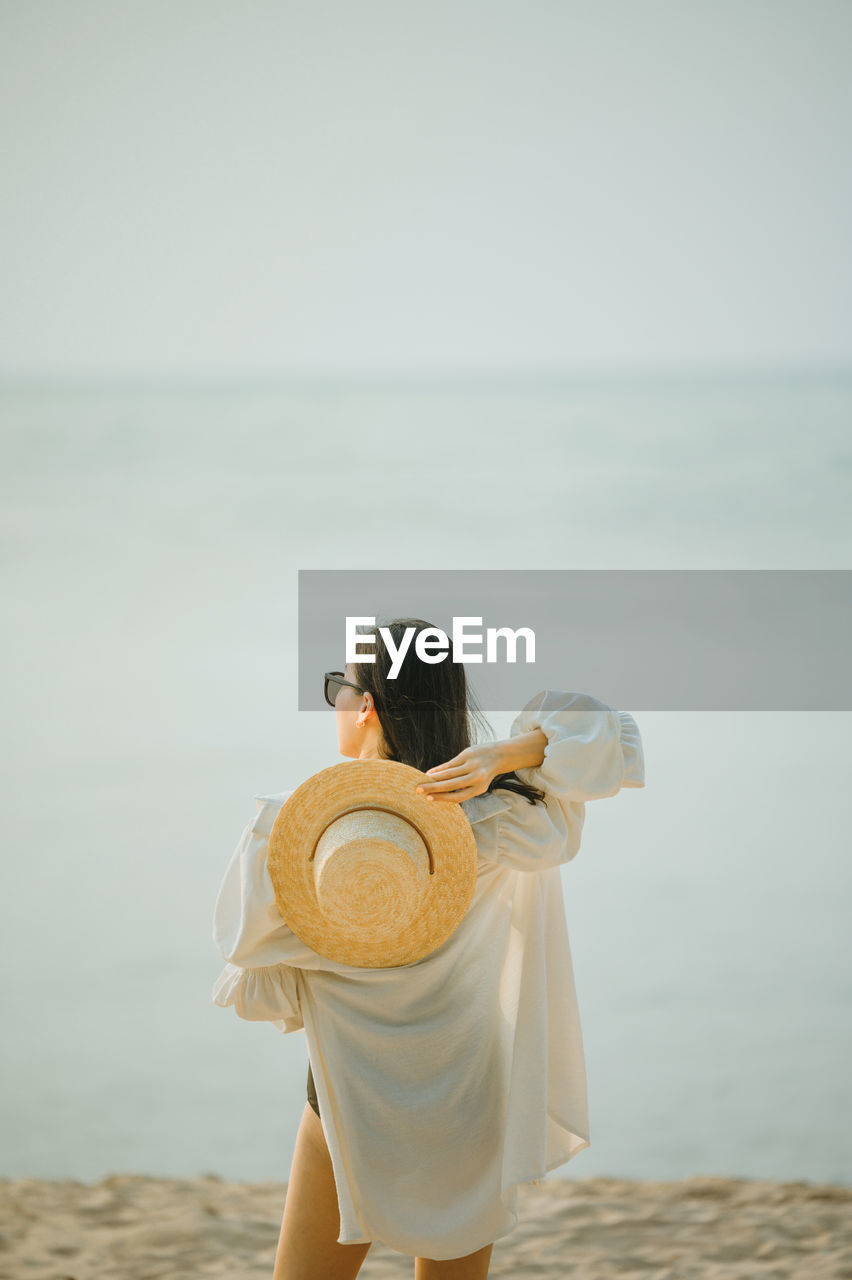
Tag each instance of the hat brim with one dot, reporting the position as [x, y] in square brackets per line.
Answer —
[444, 828]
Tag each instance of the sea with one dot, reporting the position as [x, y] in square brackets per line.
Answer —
[153, 532]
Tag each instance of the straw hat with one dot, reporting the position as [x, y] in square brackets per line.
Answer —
[368, 872]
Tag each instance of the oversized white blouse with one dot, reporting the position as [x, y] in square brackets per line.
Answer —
[446, 1083]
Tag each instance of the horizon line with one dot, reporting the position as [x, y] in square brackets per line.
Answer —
[87, 377]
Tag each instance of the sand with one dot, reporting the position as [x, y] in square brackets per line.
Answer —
[129, 1227]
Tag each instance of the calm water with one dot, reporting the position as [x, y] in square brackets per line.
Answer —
[152, 537]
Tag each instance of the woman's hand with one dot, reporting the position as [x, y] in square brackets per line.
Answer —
[468, 774]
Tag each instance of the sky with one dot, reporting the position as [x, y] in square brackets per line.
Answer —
[264, 188]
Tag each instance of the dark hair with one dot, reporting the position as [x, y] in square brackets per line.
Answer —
[427, 711]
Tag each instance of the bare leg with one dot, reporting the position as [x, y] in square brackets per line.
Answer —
[473, 1266]
[308, 1248]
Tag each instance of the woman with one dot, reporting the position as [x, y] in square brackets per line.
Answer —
[441, 1086]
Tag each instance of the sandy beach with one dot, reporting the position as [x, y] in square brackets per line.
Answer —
[129, 1227]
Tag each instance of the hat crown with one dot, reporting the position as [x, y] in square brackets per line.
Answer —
[370, 868]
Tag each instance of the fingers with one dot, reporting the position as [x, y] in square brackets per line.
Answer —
[442, 782]
[449, 766]
[457, 779]
[454, 796]
[442, 777]
[449, 784]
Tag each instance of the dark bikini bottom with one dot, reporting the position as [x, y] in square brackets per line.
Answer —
[312, 1092]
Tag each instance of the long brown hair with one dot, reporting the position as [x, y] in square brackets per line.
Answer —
[428, 713]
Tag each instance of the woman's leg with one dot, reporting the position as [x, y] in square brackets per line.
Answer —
[473, 1266]
[308, 1248]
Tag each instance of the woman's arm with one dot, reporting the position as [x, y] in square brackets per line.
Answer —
[592, 751]
[472, 771]
[567, 743]
[524, 751]
[260, 979]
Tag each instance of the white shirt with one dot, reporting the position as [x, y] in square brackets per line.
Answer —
[446, 1083]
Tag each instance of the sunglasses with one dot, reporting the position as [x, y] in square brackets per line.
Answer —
[334, 681]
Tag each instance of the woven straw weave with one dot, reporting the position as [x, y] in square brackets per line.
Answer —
[366, 871]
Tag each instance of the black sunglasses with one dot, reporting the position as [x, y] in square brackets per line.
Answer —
[334, 681]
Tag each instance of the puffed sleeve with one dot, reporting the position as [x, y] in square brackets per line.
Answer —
[260, 979]
[592, 751]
